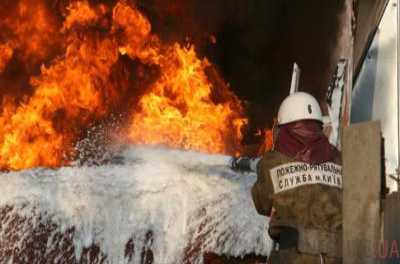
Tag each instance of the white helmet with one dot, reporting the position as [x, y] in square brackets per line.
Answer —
[299, 106]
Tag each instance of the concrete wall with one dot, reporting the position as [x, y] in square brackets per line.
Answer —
[361, 192]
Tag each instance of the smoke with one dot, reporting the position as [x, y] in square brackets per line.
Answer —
[257, 42]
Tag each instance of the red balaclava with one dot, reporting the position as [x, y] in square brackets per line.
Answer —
[305, 141]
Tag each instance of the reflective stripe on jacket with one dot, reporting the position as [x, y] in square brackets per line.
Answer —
[312, 202]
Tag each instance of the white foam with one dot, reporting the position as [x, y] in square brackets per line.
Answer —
[180, 196]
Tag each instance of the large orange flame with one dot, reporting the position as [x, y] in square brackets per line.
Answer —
[182, 108]
[178, 110]
[28, 28]
[67, 95]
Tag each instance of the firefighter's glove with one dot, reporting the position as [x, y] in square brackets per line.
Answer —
[241, 164]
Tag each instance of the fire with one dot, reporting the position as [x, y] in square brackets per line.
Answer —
[68, 92]
[136, 39]
[77, 77]
[29, 30]
[268, 142]
[178, 110]
[6, 53]
[68, 95]
[80, 13]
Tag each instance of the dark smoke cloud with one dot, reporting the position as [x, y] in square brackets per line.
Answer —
[257, 43]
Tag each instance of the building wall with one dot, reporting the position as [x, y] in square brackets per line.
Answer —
[375, 92]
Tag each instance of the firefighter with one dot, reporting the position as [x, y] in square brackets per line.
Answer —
[299, 186]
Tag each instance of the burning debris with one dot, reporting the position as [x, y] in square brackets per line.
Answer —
[85, 61]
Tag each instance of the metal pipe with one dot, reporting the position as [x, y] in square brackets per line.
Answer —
[294, 86]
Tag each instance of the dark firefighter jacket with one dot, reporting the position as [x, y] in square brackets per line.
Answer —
[305, 197]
